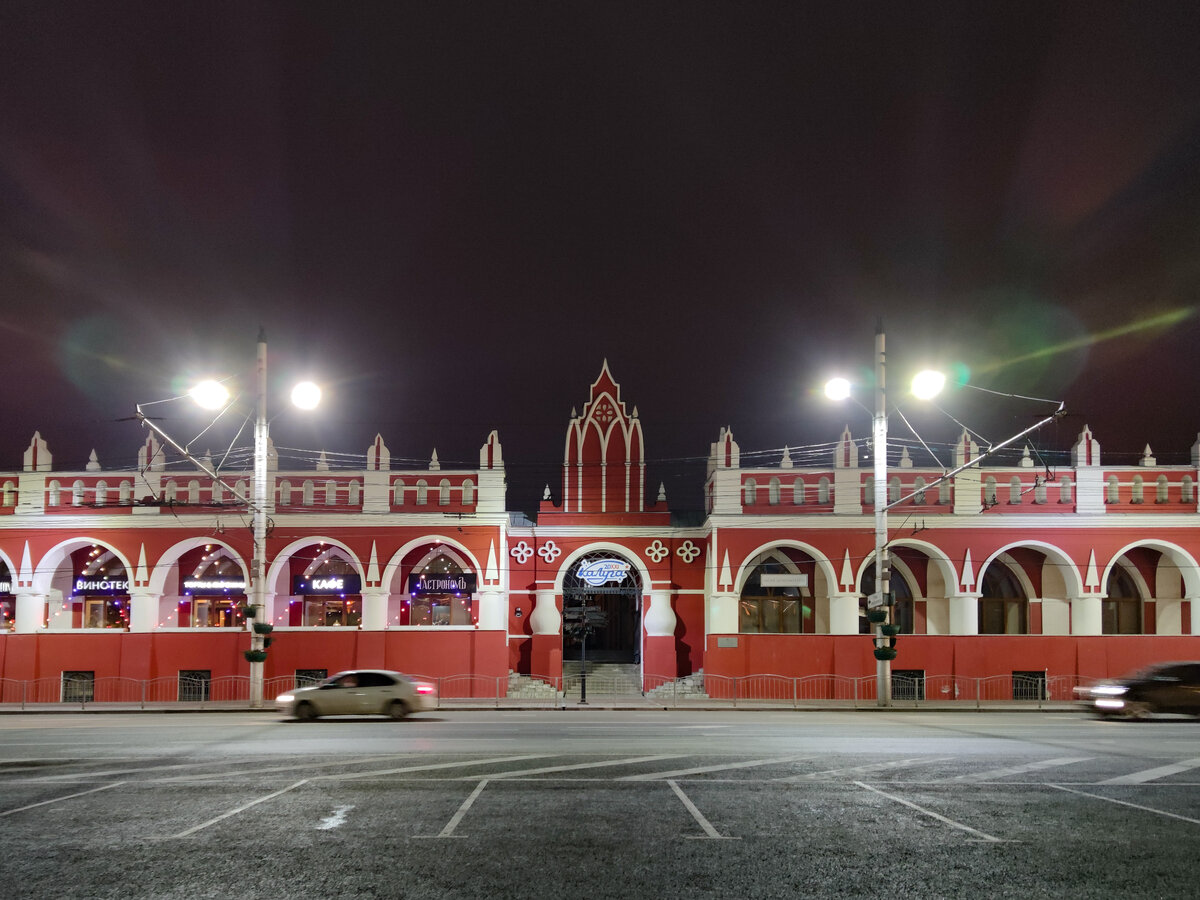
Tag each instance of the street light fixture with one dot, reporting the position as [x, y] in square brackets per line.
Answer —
[213, 395]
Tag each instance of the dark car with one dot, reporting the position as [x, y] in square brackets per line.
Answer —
[1164, 688]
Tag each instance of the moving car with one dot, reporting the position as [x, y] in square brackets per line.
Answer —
[360, 692]
[1164, 688]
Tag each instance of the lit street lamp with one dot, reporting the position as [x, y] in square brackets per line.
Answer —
[214, 396]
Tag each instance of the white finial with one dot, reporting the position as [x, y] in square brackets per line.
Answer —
[546, 493]
[662, 493]
[434, 465]
[93, 464]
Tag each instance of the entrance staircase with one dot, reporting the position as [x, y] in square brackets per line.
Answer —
[605, 680]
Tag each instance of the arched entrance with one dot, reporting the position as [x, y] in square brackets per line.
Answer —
[602, 595]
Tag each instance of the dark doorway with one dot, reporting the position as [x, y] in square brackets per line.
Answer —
[615, 638]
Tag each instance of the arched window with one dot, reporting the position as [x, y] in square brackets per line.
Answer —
[171, 492]
[101, 493]
[945, 498]
[398, 492]
[1014, 490]
[1161, 494]
[10, 494]
[285, 493]
[775, 609]
[1039, 491]
[898, 586]
[798, 492]
[307, 493]
[1066, 490]
[749, 491]
[55, 493]
[444, 492]
[1135, 493]
[989, 491]
[1121, 608]
[77, 493]
[1113, 494]
[869, 492]
[331, 493]
[468, 492]
[422, 492]
[193, 494]
[919, 496]
[1002, 605]
[773, 492]
[823, 490]
[354, 494]
[218, 492]
[126, 495]
[894, 489]
[1185, 489]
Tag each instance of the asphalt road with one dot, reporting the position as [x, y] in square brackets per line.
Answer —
[567, 804]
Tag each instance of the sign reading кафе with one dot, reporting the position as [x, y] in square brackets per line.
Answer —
[326, 584]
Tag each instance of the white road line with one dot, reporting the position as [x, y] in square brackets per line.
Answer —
[1152, 774]
[987, 838]
[655, 776]
[234, 812]
[863, 770]
[448, 831]
[1125, 803]
[592, 765]
[336, 820]
[709, 831]
[346, 776]
[104, 787]
[1019, 770]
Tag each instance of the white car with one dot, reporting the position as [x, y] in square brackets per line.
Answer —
[360, 692]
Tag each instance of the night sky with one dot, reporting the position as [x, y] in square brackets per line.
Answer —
[451, 213]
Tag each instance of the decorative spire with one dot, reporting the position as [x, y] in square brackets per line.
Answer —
[434, 465]
[93, 464]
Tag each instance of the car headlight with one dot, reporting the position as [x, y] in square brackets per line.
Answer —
[285, 698]
[1110, 690]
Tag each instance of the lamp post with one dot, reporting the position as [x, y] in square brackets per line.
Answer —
[214, 396]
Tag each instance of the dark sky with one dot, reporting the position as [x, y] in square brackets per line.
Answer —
[452, 213]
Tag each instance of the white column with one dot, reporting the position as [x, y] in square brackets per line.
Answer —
[723, 613]
[493, 611]
[660, 618]
[374, 609]
[143, 611]
[843, 613]
[964, 614]
[1195, 601]
[1086, 615]
[545, 618]
[30, 611]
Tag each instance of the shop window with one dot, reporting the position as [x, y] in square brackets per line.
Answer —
[216, 612]
[749, 492]
[333, 612]
[78, 687]
[194, 685]
[771, 609]
[1113, 494]
[422, 492]
[444, 492]
[1135, 493]
[773, 492]
[1161, 489]
[1003, 608]
[1066, 490]
[798, 492]
[103, 612]
[434, 610]
[468, 492]
[1121, 607]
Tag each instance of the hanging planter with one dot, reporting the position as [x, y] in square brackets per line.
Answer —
[267, 642]
[884, 653]
[263, 627]
[255, 656]
[876, 616]
[889, 630]
[248, 611]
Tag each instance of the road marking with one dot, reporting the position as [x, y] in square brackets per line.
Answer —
[591, 765]
[864, 770]
[1126, 803]
[709, 831]
[104, 787]
[1018, 770]
[242, 808]
[336, 820]
[652, 776]
[985, 838]
[448, 831]
[1152, 774]
[346, 776]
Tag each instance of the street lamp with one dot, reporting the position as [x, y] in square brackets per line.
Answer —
[926, 385]
[213, 395]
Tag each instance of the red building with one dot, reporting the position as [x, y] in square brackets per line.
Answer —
[143, 574]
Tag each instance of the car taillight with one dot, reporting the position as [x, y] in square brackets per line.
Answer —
[423, 688]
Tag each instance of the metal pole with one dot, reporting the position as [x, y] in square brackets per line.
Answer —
[259, 563]
[883, 667]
